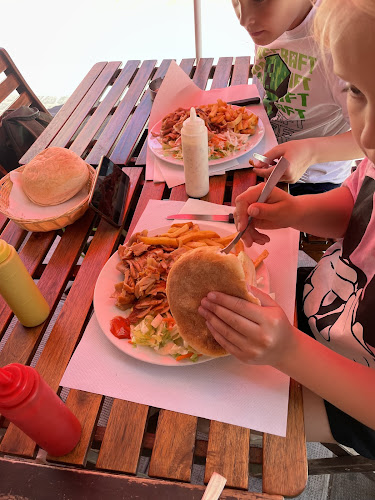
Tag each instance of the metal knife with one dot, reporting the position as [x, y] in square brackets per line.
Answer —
[245, 102]
[215, 218]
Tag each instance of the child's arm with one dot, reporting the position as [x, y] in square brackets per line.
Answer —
[263, 335]
[326, 214]
[305, 152]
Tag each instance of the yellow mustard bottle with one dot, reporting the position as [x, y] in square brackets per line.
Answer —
[19, 290]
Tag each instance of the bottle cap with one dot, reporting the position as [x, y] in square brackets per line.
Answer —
[5, 377]
[4, 250]
[194, 124]
[16, 383]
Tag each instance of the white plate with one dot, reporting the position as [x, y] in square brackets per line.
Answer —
[157, 149]
[105, 308]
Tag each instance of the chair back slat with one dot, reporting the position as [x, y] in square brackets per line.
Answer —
[15, 83]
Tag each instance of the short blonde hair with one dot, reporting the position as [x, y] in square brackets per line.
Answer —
[333, 17]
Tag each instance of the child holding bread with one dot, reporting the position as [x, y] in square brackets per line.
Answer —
[334, 357]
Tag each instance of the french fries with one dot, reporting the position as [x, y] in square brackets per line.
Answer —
[240, 120]
[260, 258]
[189, 235]
[159, 240]
[196, 236]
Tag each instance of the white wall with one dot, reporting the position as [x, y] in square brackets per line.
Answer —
[54, 44]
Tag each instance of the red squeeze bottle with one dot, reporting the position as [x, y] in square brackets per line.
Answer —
[30, 403]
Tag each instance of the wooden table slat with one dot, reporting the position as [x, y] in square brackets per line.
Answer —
[135, 127]
[289, 480]
[228, 454]
[88, 132]
[222, 73]
[92, 404]
[13, 234]
[178, 193]
[241, 71]
[81, 112]
[242, 179]
[187, 65]
[217, 189]
[142, 156]
[65, 112]
[172, 454]
[3, 221]
[202, 72]
[126, 427]
[122, 113]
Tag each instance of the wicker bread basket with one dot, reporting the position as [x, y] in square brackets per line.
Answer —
[48, 224]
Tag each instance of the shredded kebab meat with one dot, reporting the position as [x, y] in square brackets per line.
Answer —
[145, 269]
[172, 125]
[216, 123]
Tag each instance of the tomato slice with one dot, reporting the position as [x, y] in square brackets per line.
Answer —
[169, 321]
[120, 327]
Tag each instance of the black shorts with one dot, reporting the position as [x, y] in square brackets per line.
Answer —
[309, 188]
[345, 429]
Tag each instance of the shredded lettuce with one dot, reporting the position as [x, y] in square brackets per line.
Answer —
[159, 334]
[219, 146]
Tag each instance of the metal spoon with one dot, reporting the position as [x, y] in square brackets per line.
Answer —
[264, 159]
[272, 180]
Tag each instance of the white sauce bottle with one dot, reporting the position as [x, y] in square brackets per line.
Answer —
[194, 138]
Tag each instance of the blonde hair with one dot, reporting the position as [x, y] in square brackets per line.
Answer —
[333, 18]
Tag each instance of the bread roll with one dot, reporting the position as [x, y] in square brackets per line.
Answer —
[53, 176]
[192, 276]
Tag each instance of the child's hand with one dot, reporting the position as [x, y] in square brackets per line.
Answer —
[300, 156]
[277, 212]
[255, 334]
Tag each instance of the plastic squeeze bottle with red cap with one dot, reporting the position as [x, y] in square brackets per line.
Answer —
[19, 290]
[30, 403]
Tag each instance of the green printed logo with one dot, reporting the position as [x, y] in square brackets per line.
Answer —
[275, 82]
[273, 69]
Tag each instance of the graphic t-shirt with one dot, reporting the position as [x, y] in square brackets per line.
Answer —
[339, 295]
[302, 96]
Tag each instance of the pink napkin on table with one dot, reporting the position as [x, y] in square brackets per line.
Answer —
[223, 389]
[178, 90]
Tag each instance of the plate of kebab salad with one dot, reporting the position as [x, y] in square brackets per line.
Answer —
[130, 299]
[232, 132]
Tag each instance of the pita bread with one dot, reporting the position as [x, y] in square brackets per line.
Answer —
[53, 176]
[191, 277]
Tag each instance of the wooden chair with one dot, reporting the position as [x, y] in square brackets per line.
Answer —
[344, 461]
[14, 87]
[314, 246]
[14, 90]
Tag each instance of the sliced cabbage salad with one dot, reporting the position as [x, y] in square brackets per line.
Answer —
[161, 334]
[220, 145]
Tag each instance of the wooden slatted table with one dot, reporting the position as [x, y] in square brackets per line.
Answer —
[108, 114]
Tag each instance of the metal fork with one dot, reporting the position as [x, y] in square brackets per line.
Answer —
[272, 180]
